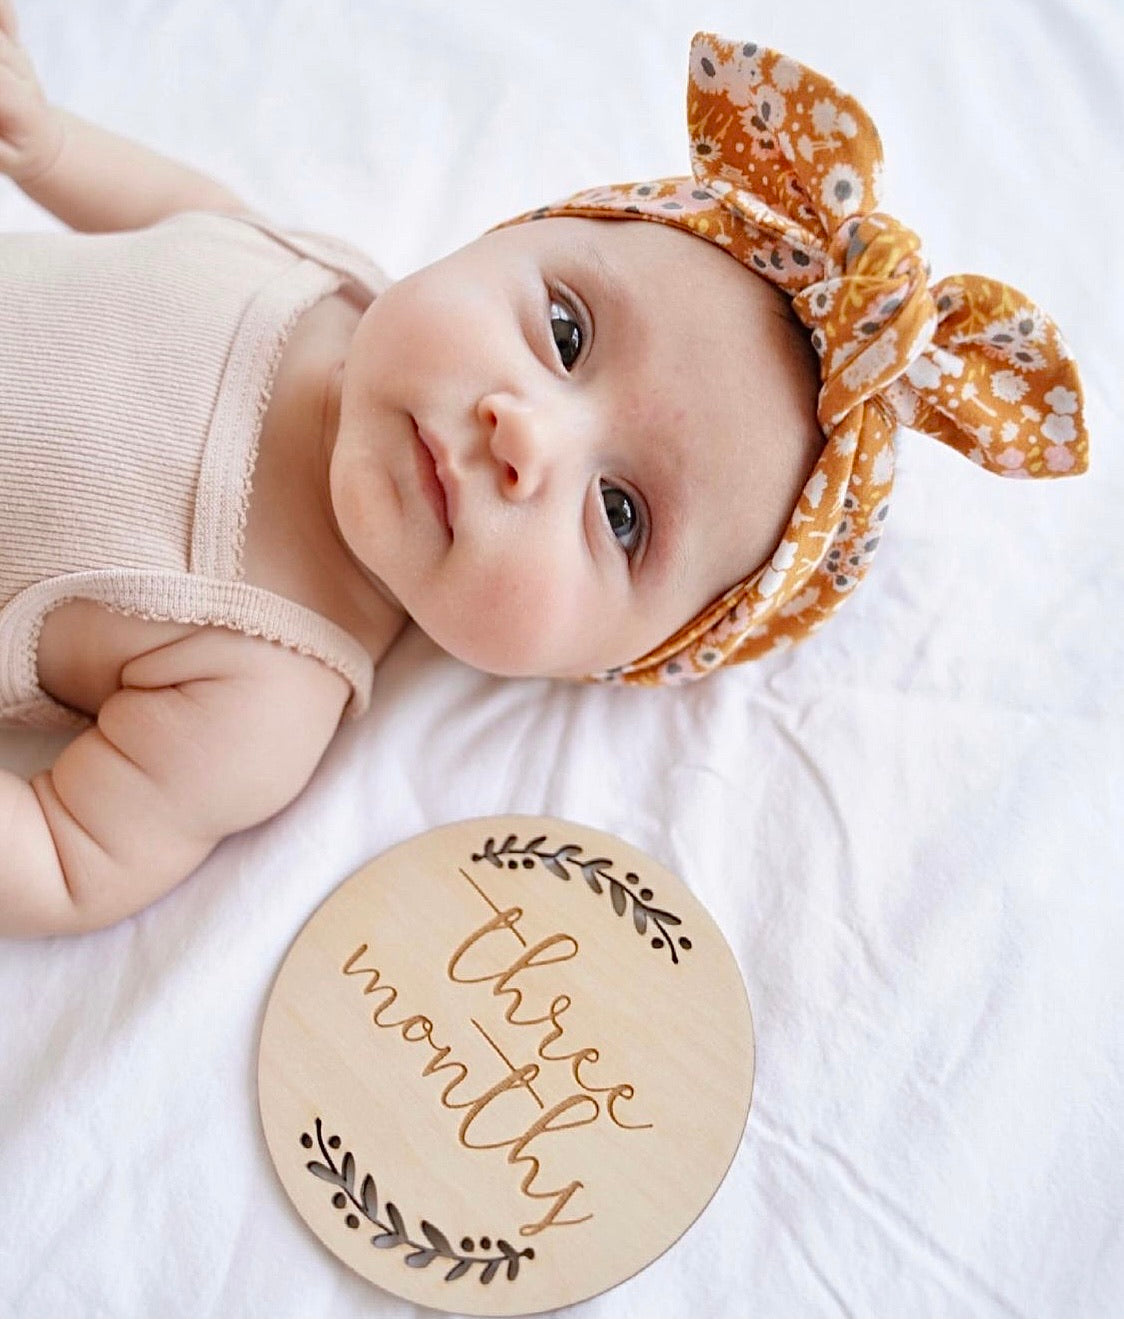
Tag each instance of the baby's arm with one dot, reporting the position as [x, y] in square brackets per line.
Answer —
[206, 736]
[89, 178]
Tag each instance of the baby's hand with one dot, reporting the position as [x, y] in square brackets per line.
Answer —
[31, 134]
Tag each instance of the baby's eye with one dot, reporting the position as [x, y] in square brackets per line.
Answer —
[624, 516]
[567, 333]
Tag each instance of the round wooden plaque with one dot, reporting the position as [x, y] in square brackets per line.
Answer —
[505, 1065]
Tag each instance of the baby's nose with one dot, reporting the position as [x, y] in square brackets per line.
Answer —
[517, 441]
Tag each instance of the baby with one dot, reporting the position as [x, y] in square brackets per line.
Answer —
[233, 462]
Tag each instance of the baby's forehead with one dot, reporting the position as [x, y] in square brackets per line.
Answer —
[643, 250]
[679, 284]
[681, 316]
[734, 334]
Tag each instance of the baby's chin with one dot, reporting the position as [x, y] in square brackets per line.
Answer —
[497, 656]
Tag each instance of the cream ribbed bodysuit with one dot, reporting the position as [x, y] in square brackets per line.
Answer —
[135, 371]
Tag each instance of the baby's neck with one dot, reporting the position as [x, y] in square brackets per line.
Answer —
[292, 543]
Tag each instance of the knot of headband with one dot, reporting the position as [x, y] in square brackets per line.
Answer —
[786, 179]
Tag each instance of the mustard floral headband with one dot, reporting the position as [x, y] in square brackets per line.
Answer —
[787, 173]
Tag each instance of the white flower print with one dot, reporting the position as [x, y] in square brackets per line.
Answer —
[882, 469]
[771, 107]
[733, 624]
[804, 146]
[846, 124]
[779, 266]
[1029, 359]
[762, 146]
[704, 62]
[597, 196]
[673, 674]
[847, 442]
[873, 360]
[769, 583]
[820, 297]
[823, 117]
[1008, 386]
[745, 70]
[842, 355]
[924, 373]
[710, 73]
[1009, 432]
[970, 393]
[1062, 400]
[842, 190]
[753, 208]
[784, 556]
[1031, 324]
[952, 298]
[805, 600]
[948, 363]
[735, 79]
[813, 491]
[903, 400]
[787, 74]
[705, 150]
[1011, 338]
[1060, 430]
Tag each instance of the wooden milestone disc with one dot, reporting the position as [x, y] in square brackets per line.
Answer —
[505, 1065]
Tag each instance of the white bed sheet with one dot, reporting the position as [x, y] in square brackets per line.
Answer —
[909, 829]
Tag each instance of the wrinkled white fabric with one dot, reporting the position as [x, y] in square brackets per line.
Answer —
[908, 828]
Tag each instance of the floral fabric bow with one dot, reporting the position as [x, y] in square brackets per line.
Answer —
[786, 179]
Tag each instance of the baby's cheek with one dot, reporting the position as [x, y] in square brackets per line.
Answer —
[513, 624]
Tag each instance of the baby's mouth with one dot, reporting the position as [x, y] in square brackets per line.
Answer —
[435, 489]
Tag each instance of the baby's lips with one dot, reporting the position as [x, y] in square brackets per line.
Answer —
[446, 478]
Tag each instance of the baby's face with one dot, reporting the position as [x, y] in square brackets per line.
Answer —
[560, 442]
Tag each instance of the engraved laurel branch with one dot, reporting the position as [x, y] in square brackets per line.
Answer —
[393, 1233]
[596, 874]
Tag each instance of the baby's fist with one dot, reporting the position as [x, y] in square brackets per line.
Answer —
[30, 131]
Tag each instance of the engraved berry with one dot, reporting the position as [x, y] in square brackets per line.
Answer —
[339, 1199]
[306, 1140]
[467, 1246]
